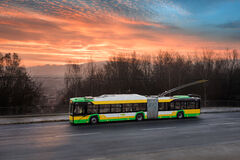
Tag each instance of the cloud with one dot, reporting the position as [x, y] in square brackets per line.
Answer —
[26, 22]
[51, 31]
[230, 25]
[12, 33]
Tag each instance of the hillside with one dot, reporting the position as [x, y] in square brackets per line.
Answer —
[47, 71]
[52, 78]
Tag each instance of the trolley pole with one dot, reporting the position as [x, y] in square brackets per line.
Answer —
[184, 86]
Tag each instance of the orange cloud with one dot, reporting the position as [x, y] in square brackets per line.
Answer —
[82, 34]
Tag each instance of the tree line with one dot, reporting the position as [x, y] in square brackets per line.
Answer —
[151, 75]
[122, 74]
[19, 93]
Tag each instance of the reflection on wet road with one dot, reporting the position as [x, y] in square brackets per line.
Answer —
[124, 140]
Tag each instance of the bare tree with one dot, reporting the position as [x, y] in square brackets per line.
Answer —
[132, 73]
[18, 92]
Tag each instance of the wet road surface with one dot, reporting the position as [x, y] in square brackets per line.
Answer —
[215, 136]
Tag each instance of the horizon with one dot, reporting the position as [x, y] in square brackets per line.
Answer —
[53, 32]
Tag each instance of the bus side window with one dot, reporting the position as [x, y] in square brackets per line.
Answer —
[167, 106]
[184, 105]
[161, 106]
[177, 105]
[197, 104]
[172, 106]
[190, 105]
[194, 105]
[135, 107]
[92, 109]
[116, 108]
[127, 108]
[105, 108]
[142, 106]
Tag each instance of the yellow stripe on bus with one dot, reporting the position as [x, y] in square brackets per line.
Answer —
[119, 102]
[170, 114]
[191, 111]
[165, 100]
[78, 118]
[128, 101]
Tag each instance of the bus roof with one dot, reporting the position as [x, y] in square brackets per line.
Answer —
[116, 97]
[126, 98]
[119, 99]
[80, 99]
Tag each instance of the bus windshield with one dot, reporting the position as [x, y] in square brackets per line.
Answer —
[79, 108]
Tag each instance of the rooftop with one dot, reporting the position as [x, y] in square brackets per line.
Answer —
[122, 97]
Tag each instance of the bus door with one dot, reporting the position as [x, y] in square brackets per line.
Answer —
[152, 108]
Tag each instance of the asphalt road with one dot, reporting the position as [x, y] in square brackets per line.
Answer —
[210, 136]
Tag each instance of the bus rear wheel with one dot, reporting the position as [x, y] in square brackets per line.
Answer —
[139, 117]
[94, 120]
[180, 115]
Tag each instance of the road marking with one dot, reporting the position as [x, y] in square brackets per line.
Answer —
[229, 123]
[215, 124]
[149, 129]
[80, 134]
[212, 124]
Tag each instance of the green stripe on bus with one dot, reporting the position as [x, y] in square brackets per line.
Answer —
[80, 121]
[192, 115]
[160, 117]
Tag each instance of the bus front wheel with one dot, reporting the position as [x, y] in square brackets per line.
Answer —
[94, 120]
[180, 115]
[139, 117]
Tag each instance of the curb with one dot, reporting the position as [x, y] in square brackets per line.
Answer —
[30, 122]
[34, 115]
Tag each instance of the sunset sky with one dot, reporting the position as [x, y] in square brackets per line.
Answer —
[54, 31]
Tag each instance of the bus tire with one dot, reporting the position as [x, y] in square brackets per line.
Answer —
[93, 120]
[139, 117]
[180, 115]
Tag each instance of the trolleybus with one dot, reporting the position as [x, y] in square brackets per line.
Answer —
[122, 107]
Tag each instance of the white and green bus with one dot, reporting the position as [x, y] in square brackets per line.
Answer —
[121, 107]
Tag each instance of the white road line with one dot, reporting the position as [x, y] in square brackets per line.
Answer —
[149, 129]
[229, 123]
[212, 124]
[80, 134]
[215, 124]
